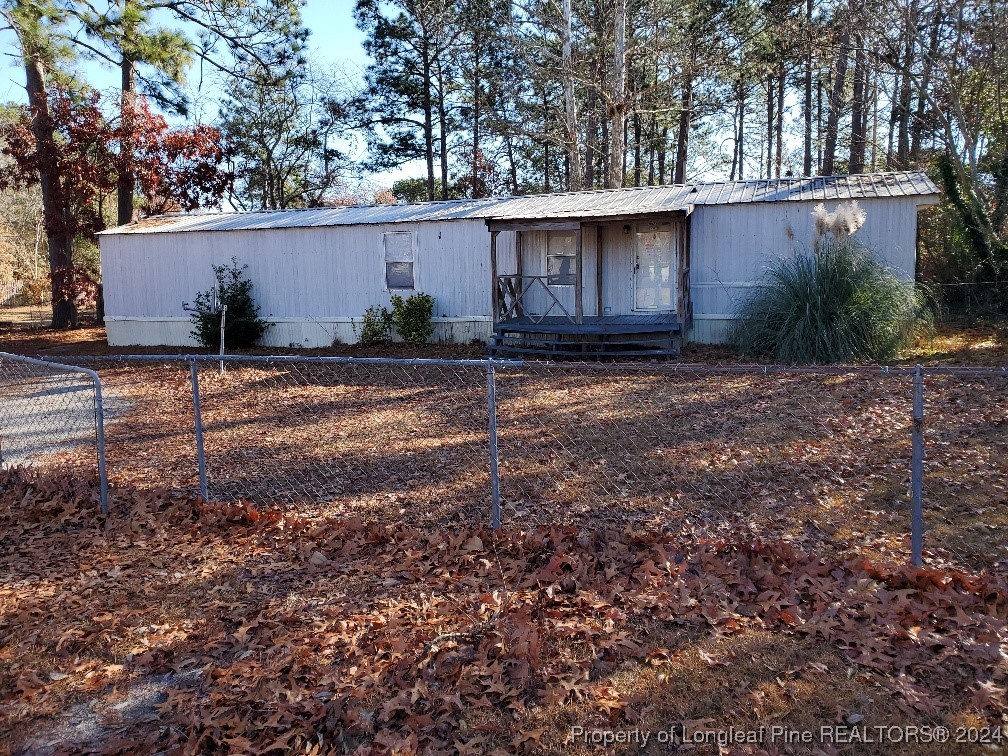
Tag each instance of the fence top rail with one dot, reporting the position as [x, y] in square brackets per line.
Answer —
[60, 366]
[967, 370]
[498, 363]
[293, 358]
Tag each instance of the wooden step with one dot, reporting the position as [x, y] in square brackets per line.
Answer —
[582, 346]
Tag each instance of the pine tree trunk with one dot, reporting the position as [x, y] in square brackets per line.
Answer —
[769, 125]
[857, 145]
[428, 113]
[662, 154]
[875, 121]
[836, 102]
[591, 142]
[442, 132]
[476, 116]
[819, 123]
[64, 308]
[902, 107]
[637, 175]
[652, 148]
[780, 123]
[570, 106]
[743, 104]
[735, 142]
[603, 159]
[807, 102]
[685, 121]
[917, 128]
[618, 105]
[512, 163]
[126, 185]
[546, 144]
[626, 140]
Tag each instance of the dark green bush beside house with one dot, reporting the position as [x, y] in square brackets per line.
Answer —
[412, 316]
[376, 326]
[243, 327]
[838, 303]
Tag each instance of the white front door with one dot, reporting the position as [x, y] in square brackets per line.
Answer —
[654, 270]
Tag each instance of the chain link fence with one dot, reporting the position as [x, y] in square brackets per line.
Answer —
[966, 464]
[822, 457]
[51, 417]
[384, 439]
[705, 451]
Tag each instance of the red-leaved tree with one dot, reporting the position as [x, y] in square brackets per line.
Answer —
[78, 154]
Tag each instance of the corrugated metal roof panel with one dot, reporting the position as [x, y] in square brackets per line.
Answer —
[599, 203]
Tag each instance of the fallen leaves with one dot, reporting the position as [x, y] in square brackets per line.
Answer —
[278, 630]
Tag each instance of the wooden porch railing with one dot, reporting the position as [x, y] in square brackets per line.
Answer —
[511, 293]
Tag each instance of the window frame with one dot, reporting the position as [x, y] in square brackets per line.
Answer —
[412, 261]
[572, 256]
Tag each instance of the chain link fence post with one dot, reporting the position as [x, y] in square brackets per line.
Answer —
[99, 410]
[917, 471]
[495, 505]
[198, 428]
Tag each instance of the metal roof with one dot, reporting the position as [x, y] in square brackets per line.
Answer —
[599, 203]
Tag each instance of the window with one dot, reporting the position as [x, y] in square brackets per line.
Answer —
[561, 258]
[399, 259]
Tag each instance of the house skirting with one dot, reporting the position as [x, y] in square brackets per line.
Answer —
[286, 333]
[711, 329]
[314, 333]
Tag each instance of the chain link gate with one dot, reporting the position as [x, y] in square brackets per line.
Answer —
[52, 415]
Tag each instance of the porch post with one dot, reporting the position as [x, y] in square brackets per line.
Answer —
[494, 293]
[579, 280]
[519, 243]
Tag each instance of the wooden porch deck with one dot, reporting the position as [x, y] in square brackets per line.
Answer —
[644, 335]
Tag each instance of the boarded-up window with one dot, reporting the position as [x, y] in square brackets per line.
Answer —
[560, 258]
[400, 257]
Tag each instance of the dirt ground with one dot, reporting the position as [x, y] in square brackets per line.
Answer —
[819, 460]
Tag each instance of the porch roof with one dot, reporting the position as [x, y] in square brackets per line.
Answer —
[652, 200]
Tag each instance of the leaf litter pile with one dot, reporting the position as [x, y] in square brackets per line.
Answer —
[178, 626]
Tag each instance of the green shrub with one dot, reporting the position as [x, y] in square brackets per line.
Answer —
[243, 327]
[412, 318]
[376, 327]
[836, 304]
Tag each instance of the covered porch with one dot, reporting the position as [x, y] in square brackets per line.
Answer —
[595, 287]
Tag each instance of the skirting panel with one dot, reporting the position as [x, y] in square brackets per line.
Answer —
[288, 333]
[710, 330]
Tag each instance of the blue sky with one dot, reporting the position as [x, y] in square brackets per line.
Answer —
[334, 39]
[334, 36]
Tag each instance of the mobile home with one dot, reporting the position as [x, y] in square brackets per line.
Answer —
[646, 267]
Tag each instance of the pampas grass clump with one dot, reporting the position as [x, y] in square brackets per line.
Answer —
[837, 303]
